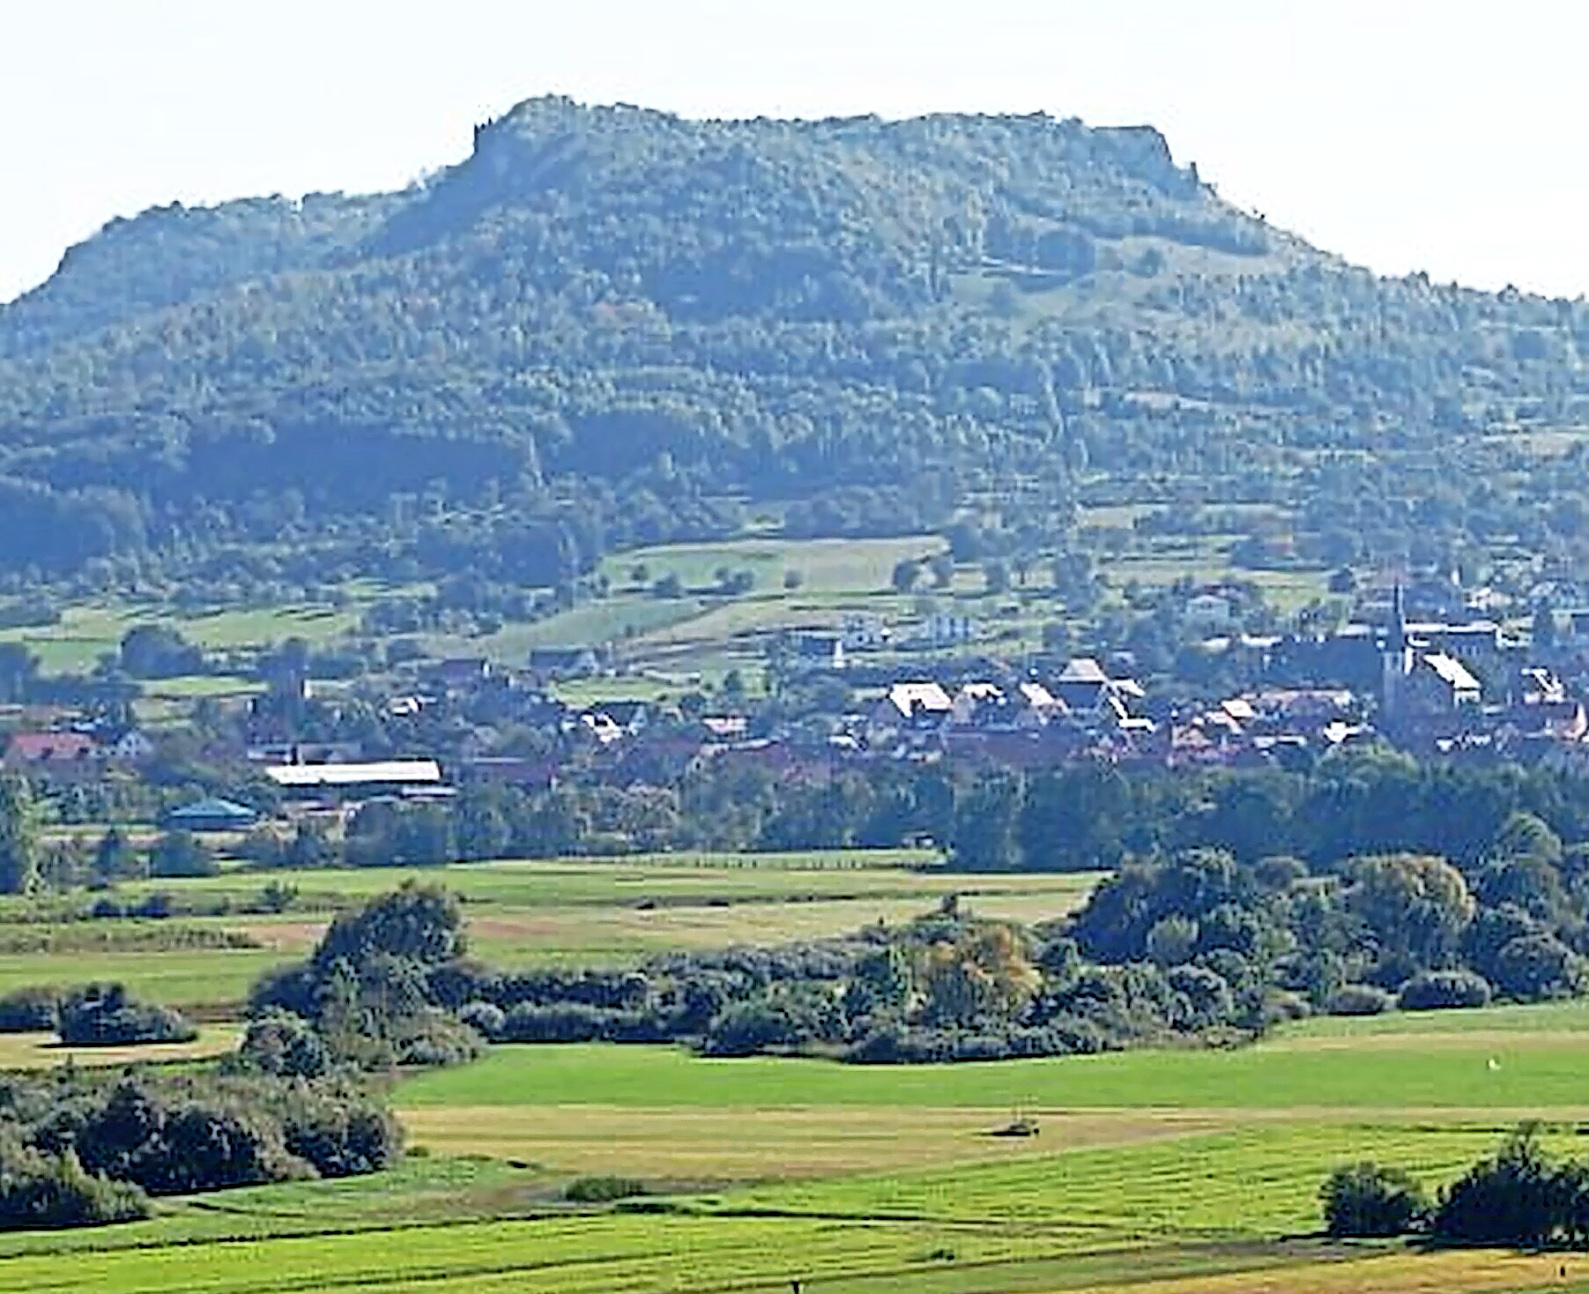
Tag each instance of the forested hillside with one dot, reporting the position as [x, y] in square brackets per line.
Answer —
[610, 326]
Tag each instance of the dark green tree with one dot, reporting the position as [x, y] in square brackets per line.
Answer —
[19, 837]
[1365, 1199]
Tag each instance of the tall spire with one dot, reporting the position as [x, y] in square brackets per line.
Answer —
[1395, 659]
[1398, 621]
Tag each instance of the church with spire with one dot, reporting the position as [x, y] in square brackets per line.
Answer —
[1420, 687]
[1396, 658]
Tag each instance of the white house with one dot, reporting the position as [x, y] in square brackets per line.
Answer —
[133, 747]
[905, 704]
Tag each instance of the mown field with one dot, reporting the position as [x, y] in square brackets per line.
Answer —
[1169, 1171]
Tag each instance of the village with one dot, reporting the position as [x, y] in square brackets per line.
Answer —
[1457, 686]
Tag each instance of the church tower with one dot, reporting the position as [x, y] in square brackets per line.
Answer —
[1395, 660]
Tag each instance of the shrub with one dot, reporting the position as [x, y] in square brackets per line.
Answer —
[434, 1039]
[567, 1022]
[746, 1028]
[1538, 966]
[75, 1151]
[283, 1044]
[485, 1018]
[174, 1145]
[603, 1190]
[102, 1015]
[1282, 1004]
[1444, 990]
[417, 923]
[204, 1146]
[181, 853]
[1172, 940]
[40, 1190]
[1367, 1200]
[1358, 999]
[1207, 996]
[344, 1138]
[30, 1010]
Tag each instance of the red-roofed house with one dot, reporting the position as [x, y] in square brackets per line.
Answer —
[50, 750]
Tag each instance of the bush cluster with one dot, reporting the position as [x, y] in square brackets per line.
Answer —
[32, 1009]
[1443, 990]
[1365, 1199]
[603, 1190]
[1518, 1196]
[365, 995]
[42, 1190]
[103, 1015]
[80, 1150]
[1196, 947]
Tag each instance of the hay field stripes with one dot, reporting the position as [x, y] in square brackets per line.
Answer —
[1022, 1226]
[1173, 1199]
[715, 1256]
[1173, 1171]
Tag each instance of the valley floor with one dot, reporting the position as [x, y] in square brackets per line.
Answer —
[1175, 1171]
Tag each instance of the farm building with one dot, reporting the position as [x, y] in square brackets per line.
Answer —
[212, 815]
[377, 775]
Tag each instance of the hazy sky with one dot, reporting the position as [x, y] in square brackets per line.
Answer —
[1437, 136]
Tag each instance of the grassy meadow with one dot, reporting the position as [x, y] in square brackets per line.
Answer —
[609, 912]
[1171, 1171]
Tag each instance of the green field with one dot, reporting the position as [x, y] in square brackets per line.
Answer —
[1123, 1199]
[670, 646]
[611, 912]
[825, 565]
[1300, 1068]
[1172, 1171]
[86, 633]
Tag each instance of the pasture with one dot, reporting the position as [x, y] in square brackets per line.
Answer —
[1299, 1069]
[668, 646]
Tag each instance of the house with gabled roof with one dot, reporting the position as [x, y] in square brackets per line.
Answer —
[134, 746]
[1087, 691]
[51, 751]
[915, 704]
